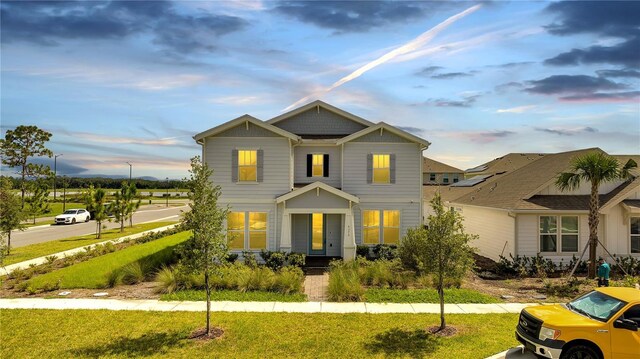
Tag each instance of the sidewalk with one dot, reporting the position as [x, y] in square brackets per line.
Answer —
[41, 260]
[265, 307]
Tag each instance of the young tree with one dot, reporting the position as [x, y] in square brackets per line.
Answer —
[441, 249]
[20, 144]
[11, 214]
[120, 205]
[131, 195]
[38, 202]
[208, 247]
[94, 200]
[596, 168]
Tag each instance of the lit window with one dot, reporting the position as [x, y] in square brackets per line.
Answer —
[569, 233]
[235, 230]
[391, 227]
[381, 169]
[247, 165]
[317, 226]
[257, 230]
[635, 234]
[548, 233]
[318, 166]
[371, 227]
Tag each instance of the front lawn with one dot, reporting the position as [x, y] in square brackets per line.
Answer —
[20, 254]
[452, 295]
[127, 334]
[55, 208]
[95, 272]
[235, 295]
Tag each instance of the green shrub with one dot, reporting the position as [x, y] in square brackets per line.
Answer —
[362, 250]
[568, 289]
[289, 280]
[50, 259]
[409, 246]
[167, 280]
[344, 284]
[232, 257]
[630, 265]
[133, 273]
[626, 281]
[296, 259]
[249, 259]
[114, 278]
[385, 251]
[273, 259]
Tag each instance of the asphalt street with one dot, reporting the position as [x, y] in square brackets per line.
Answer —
[41, 234]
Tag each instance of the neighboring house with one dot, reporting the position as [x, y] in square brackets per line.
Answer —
[438, 173]
[523, 213]
[507, 163]
[316, 180]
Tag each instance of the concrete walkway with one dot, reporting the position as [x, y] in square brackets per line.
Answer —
[268, 307]
[41, 260]
[316, 286]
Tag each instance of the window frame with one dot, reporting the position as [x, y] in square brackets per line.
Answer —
[381, 226]
[240, 167]
[314, 165]
[246, 231]
[559, 234]
[432, 177]
[387, 156]
[445, 178]
[634, 235]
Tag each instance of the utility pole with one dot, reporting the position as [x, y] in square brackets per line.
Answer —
[130, 166]
[64, 193]
[167, 194]
[55, 174]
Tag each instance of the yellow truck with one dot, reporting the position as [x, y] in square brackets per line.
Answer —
[602, 324]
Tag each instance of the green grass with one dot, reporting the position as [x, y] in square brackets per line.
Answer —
[94, 273]
[130, 334]
[234, 295]
[453, 295]
[20, 254]
[55, 208]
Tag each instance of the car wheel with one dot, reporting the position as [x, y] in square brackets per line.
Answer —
[580, 352]
[73, 221]
[87, 219]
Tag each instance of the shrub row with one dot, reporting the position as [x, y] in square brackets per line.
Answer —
[538, 266]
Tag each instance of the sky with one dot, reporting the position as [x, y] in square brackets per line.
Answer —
[118, 82]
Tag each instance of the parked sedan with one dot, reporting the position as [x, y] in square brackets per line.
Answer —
[72, 216]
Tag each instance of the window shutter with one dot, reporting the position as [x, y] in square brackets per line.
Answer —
[260, 160]
[325, 162]
[392, 168]
[234, 165]
[309, 164]
[369, 168]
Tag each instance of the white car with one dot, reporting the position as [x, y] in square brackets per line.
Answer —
[72, 216]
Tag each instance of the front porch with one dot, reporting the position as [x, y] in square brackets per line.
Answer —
[318, 220]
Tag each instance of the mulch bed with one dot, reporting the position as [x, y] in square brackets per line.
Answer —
[448, 331]
[201, 334]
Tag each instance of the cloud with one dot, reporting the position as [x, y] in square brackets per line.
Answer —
[571, 84]
[238, 100]
[451, 75]
[48, 23]
[567, 131]
[483, 137]
[429, 70]
[625, 53]
[619, 19]
[466, 101]
[519, 109]
[618, 73]
[604, 97]
[508, 86]
[510, 65]
[415, 130]
[358, 16]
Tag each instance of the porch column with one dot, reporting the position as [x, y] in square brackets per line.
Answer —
[285, 236]
[349, 237]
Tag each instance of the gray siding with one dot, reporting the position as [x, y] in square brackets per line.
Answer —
[408, 184]
[334, 235]
[300, 164]
[259, 207]
[311, 199]
[322, 122]
[386, 136]
[299, 233]
[410, 215]
[242, 131]
[276, 167]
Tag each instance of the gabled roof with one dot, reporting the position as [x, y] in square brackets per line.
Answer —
[324, 105]
[385, 127]
[619, 194]
[507, 163]
[318, 185]
[243, 119]
[431, 165]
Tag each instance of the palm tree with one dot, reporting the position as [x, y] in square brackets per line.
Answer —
[596, 168]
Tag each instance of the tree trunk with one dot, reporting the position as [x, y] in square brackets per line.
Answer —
[9, 243]
[594, 219]
[208, 288]
[122, 224]
[443, 324]
[99, 229]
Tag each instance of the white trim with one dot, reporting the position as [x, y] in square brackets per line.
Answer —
[394, 130]
[326, 106]
[318, 185]
[245, 200]
[559, 234]
[238, 121]
[316, 210]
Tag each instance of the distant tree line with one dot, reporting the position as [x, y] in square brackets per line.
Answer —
[109, 183]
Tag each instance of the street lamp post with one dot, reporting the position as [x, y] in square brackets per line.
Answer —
[167, 194]
[64, 193]
[130, 166]
[55, 174]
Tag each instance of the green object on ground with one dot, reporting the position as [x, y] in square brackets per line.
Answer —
[235, 295]
[451, 296]
[21, 254]
[118, 334]
[94, 273]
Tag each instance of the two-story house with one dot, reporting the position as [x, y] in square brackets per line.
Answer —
[316, 180]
